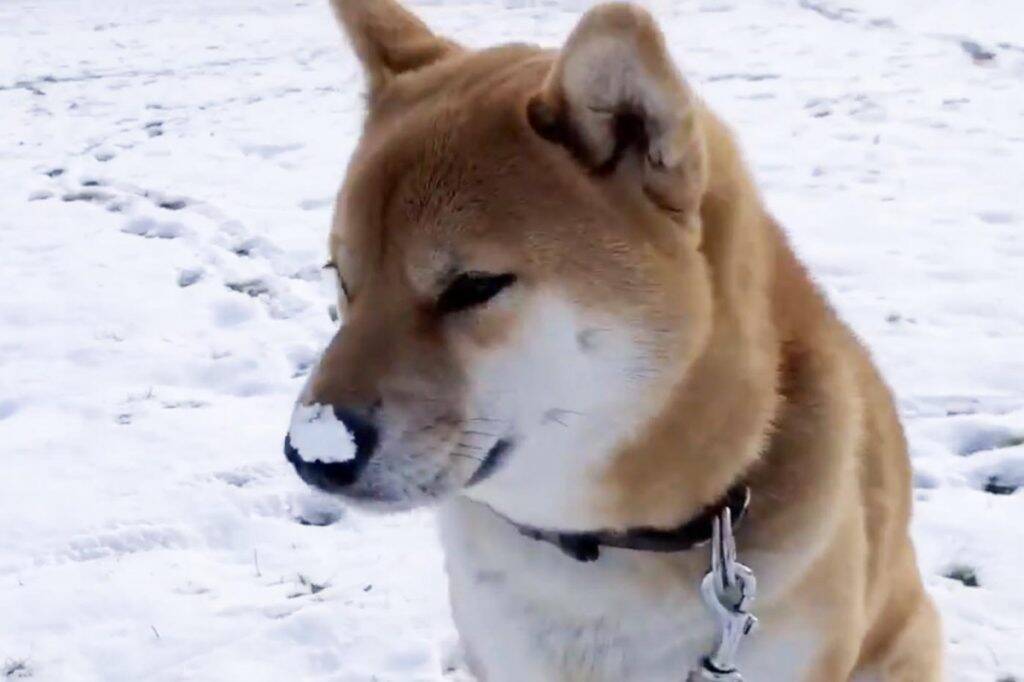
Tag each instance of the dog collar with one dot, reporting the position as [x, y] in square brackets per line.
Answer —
[695, 532]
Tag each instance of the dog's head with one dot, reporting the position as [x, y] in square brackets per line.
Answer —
[517, 247]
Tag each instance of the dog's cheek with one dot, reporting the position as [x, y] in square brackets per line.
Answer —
[557, 359]
[679, 314]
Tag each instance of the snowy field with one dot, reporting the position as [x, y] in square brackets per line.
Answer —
[166, 174]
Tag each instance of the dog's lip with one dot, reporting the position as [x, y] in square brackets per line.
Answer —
[492, 461]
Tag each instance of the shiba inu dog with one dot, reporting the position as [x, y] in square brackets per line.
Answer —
[570, 323]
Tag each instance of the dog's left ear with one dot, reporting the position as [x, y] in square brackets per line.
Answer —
[614, 93]
[389, 39]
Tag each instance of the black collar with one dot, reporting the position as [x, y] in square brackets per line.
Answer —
[696, 531]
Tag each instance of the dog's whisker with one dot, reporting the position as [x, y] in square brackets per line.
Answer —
[464, 455]
[470, 432]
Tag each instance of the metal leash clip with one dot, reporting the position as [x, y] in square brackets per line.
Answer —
[728, 590]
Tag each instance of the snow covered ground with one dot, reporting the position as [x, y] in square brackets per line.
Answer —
[166, 174]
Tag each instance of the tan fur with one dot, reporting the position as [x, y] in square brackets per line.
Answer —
[509, 160]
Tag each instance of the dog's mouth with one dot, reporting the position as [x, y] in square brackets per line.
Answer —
[347, 478]
[493, 460]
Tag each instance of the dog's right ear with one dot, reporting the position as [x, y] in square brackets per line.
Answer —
[389, 40]
[614, 93]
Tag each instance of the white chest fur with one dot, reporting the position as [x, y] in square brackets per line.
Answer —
[527, 613]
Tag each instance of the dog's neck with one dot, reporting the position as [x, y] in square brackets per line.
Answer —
[695, 532]
[718, 421]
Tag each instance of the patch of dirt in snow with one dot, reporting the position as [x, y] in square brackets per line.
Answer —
[166, 190]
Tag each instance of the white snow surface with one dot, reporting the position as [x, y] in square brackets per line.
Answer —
[318, 435]
[168, 169]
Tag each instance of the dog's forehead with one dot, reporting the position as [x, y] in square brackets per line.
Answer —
[438, 212]
[437, 191]
[459, 179]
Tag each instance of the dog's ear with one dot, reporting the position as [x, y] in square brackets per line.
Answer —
[615, 92]
[389, 40]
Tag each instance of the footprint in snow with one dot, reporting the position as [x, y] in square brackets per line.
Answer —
[90, 195]
[976, 438]
[1001, 469]
[963, 574]
[166, 201]
[309, 507]
[280, 303]
[254, 288]
[316, 204]
[249, 247]
[189, 276]
[243, 476]
[269, 151]
[318, 517]
[128, 539]
[996, 485]
[172, 204]
[996, 217]
[16, 669]
[232, 312]
[150, 228]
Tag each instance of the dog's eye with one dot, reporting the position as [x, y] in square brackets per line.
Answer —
[472, 289]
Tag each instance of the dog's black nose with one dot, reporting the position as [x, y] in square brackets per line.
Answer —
[332, 476]
[364, 433]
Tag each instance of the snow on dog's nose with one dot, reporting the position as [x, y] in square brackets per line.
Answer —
[329, 445]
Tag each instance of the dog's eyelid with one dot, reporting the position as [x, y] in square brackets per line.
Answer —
[471, 288]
